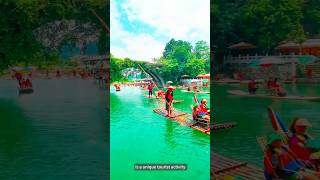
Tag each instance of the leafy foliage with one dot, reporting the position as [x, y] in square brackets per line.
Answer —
[264, 23]
[20, 18]
[179, 58]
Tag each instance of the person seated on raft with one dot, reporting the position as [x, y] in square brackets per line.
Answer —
[195, 89]
[252, 87]
[203, 111]
[279, 162]
[160, 94]
[28, 83]
[301, 144]
[117, 86]
[23, 83]
[200, 117]
[277, 89]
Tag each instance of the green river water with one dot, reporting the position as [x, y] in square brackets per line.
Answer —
[138, 135]
[252, 118]
[58, 132]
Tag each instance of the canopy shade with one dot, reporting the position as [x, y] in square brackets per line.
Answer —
[310, 43]
[242, 45]
[185, 76]
[271, 60]
[204, 76]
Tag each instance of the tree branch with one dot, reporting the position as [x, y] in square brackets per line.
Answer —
[101, 20]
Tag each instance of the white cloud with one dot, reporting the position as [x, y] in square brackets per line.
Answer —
[176, 18]
[139, 47]
[180, 19]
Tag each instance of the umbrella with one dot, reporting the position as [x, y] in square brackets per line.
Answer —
[203, 76]
[242, 45]
[185, 76]
[307, 59]
[271, 60]
[206, 76]
[205, 80]
[254, 63]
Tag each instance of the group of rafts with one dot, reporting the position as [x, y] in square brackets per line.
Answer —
[199, 119]
[273, 89]
[24, 81]
[289, 152]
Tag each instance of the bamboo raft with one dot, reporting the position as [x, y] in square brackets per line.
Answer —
[25, 90]
[176, 115]
[222, 167]
[200, 92]
[227, 125]
[246, 94]
[153, 97]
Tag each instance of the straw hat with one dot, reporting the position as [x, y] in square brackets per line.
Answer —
[303, 122]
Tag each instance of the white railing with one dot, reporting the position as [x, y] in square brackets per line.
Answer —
[90, 58]
[249, 59]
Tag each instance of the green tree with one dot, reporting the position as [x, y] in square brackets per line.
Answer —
[202, 51]
[20, 18]
[195, 67]
[179, 50]
[270, 22]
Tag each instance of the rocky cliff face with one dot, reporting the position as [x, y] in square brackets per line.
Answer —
[57, 34]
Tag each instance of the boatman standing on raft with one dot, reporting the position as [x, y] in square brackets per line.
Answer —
[169, 100]
[150, 89]
[252, 87]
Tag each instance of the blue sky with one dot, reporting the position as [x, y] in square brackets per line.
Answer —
[141, 28]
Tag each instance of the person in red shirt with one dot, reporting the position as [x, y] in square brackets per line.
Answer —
[203, 111]
[28, 83]
[160, 94]
[169, 100]
[195, 89]
[269, 83]
[150, 89]
[18, 76]
[252, 88]
[280, 162]
[299, 138]
[117, 86]
[309, 73]
[203, 106]
[58, 73]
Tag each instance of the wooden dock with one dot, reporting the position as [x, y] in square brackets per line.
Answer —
[222, 167]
